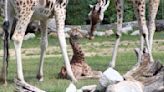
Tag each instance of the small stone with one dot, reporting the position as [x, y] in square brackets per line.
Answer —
[137, 32]
[127, 29]
[99, 33]
[29, 36]
[109, 32]
[53, 34]
[67, 35]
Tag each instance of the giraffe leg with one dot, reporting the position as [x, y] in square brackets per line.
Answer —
[7, 27]
[17, 37]
[140, 51]
[119, 6]
[153, 9]
[21, 25]
[44, 44]
[141, 48]
[60, 15]
[139, 6]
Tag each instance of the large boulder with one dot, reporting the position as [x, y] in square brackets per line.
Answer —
[126, 86]
[109, 77]
[71, 88]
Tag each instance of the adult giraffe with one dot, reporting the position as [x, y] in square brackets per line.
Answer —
[97, 13]
[23, 11]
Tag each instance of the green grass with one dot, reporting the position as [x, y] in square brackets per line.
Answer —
[52, 65]
[1, 20]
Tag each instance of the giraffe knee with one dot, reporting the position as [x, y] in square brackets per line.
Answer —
[144, 35]
[18, 36]
[151, 25]
[44, 45]
[6, 25]
[118, 34]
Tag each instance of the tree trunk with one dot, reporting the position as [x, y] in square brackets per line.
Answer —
[151, 74]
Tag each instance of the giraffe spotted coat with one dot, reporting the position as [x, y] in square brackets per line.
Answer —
[20, 13]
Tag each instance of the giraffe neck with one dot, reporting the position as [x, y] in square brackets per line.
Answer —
[78, 55]
[76, 47]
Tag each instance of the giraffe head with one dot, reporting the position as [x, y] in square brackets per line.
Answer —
[75, 34]
[96, 14]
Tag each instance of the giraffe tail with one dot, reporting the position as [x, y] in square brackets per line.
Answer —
[6, 39]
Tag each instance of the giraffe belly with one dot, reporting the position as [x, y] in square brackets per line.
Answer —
[42, 12]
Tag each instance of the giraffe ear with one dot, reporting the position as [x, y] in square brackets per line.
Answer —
[91, 6]
[70, 31]
[104, 8]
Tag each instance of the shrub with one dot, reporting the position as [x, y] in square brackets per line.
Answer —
[77, 12]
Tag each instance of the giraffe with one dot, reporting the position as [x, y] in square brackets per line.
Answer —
[24, 11]
[79, 67]
[147, 31]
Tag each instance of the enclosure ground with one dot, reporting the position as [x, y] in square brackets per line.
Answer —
[98, 54]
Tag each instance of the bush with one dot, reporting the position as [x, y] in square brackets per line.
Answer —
[77, 12]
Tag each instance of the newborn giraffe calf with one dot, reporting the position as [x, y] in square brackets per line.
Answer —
[80, 68]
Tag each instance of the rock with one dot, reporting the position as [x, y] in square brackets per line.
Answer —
[137, 32]
[151, 74]
[126, 86]
[53, 34]
[155, 82]
[127, 29]
[160, 25]
[51, 25]
[99, 33]
[109, 32]
[29, 36]
[67, 29]
[67, 35]
[71, 88]
[85, 32]
[109, 77]
[90, 88]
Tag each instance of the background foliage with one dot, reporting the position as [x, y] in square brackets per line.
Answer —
[77, 12]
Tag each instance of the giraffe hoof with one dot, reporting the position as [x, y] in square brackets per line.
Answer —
[90, 37]
[40, 77]
[3, 81]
